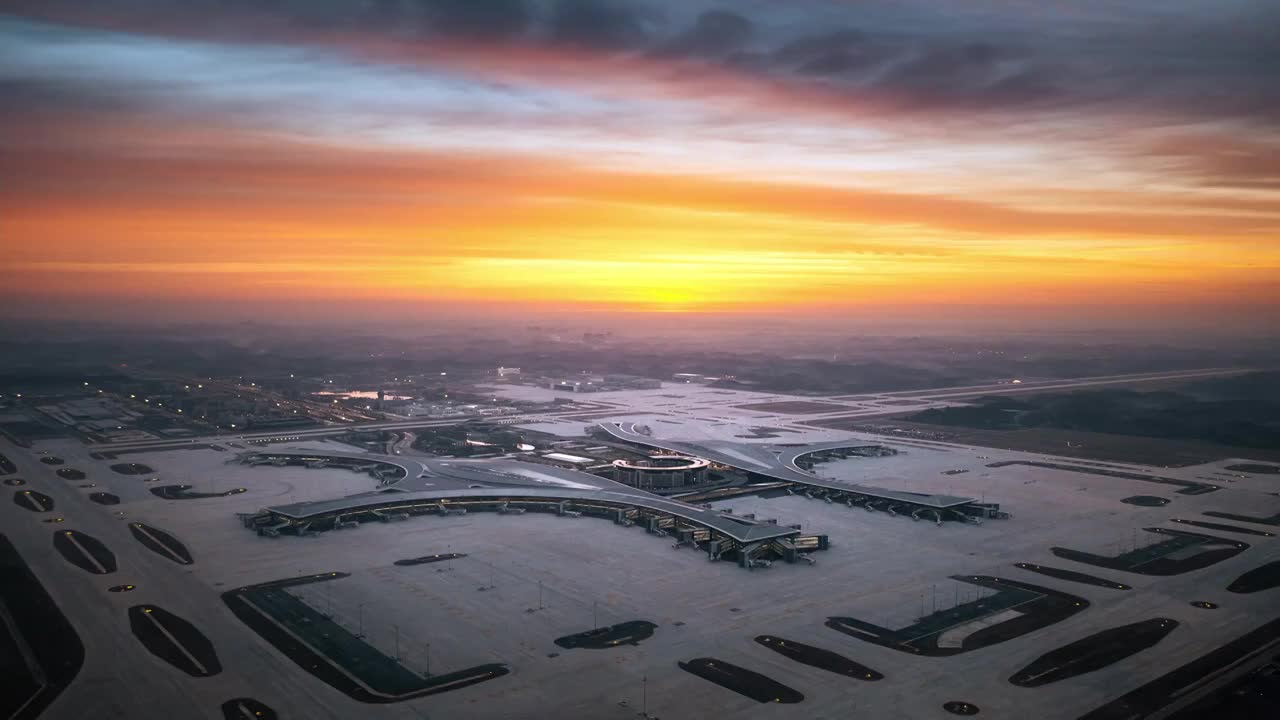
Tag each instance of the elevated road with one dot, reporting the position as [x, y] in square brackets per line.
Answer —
[778, 464]
[317, 432]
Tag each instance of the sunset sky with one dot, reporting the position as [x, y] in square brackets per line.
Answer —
[663, 155]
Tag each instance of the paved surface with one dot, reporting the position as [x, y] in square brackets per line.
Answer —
[778, 463]
[709, 406]
[880, 569]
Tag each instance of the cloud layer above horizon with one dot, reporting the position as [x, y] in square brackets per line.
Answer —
[641, 154]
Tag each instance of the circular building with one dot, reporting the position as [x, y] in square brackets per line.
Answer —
[661, 472]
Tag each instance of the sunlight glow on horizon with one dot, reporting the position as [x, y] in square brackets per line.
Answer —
[328, 166]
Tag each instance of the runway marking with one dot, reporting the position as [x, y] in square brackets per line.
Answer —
[177, 558]
[72, 539]
[147, 612]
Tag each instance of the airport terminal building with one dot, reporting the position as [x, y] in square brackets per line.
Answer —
[661, 472]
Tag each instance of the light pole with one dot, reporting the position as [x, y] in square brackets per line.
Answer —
[360, 613]
[539, 594]
[396, 628]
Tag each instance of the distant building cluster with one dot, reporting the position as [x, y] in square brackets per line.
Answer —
[452, 410]
[602, 383]
[698, 378]
[102, 417]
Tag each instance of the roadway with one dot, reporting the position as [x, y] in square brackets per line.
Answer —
[762, 460]
[308, 433]
[941, 394]
[1009, 387]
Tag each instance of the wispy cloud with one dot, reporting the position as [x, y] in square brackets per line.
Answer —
[642, 151]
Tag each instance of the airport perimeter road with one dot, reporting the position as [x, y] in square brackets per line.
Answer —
[315, 432]
[941, 395]
[1003, 388]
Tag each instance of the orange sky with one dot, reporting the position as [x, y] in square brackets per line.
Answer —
[249, 171]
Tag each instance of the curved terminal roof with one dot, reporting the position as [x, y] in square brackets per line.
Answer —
[664, 463]
[777, 463]
[738, 528]
[500, 479]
